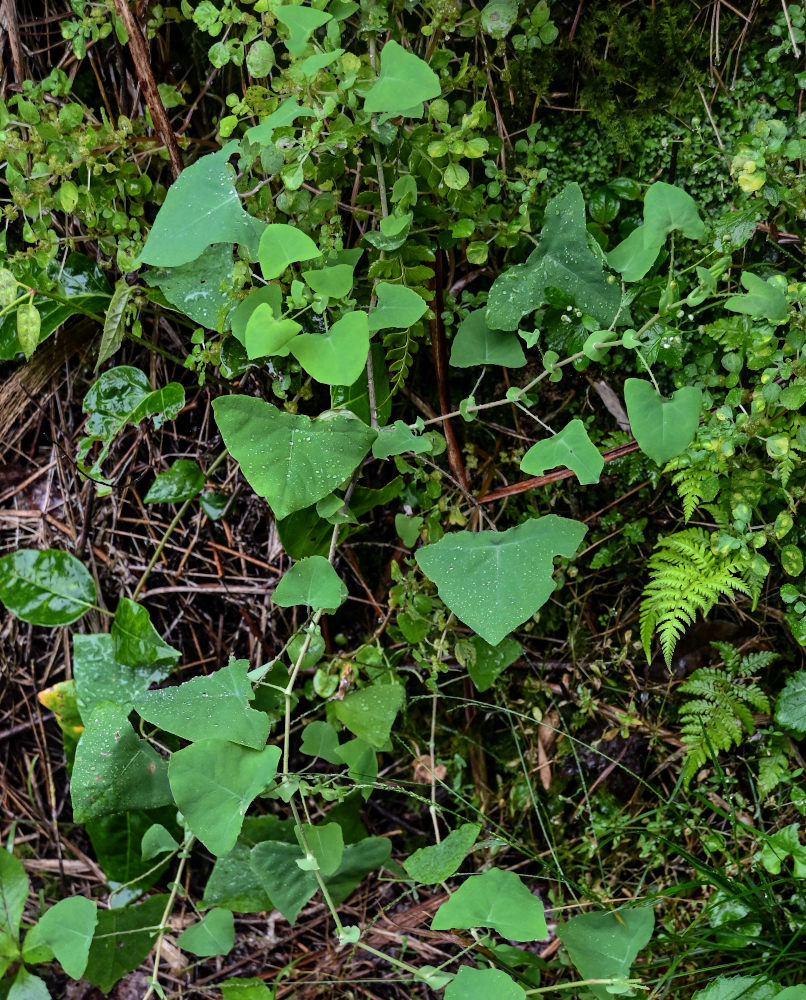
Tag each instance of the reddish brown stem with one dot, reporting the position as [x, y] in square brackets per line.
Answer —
[148, 85]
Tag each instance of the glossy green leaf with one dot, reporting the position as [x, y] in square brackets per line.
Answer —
[214, 934]
[430, 865]
[202, 207]
[66, 928]
[213, 782]
[763, 300]
[326, 844]
[562, 260]
[471, 983]
[337, 357]
[114, 770]
[790, 709]
[301, 22]
[122, 396]
[80, 286]
[408, 528]
[604, 945]
[135, 641]
[494, 581]
[312, 582]
[398, 439]
[496, 899]
[289, 459]
[405, 81]
[570, 447]
[332, 282]
[123, 939]
[485, 663]
[115, 321]
[100, 676]
[663, 427]
[476, 344]
[14, 889]
[370, 711]
[202, 289]
[207, 708]
[47, 587]
[182, 481]
[282, 245]
[266, 335]
[398, 307]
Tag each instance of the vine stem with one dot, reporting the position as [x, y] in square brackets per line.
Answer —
[560, 364]
[587, 982]
[186, 847]
[170, 530]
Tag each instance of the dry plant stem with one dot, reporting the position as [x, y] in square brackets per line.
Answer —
[149, 86]
[170, 530]
[184, 855]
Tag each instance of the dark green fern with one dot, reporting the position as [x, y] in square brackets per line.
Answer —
[686, 578]
[721, 711]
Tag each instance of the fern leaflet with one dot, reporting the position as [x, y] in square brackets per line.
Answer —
[722, 711]
[686, 577]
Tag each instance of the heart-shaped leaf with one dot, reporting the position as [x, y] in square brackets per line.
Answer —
[100, 676]
[136, 642]
[326, 844]
[313, 582]
[484, 662]
[405, 81]
[790, 709]
[282, 245]
[288, 886]
[201, 289]
[398, 439]
[123, 938]
[398, 307]
[604, 945]
[301, 22]
[47, 587]
[494, 581]
[213, 783]
[267, 335]
[333, 282]
[570, 447]
[211, 707]
[201, 207]
[337, 357]
[476, 344]
[289, 459]
[496, 899]
[663, 427]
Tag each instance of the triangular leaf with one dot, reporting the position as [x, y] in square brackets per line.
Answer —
[289, 459]
[211, 707]
[123, 938]
[434, 864]
[494, 581]
[67, 929]
[404, 82]
[763, 300]
[282, 245]
[213, 782]
[214, 934]
[496, 899]
[398, 307]
[398, 439]
[476, 344]
[201, 207]
[471, 983]
[370, 711]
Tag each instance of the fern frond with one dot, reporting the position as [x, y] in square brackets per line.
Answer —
[720, 714]
[686, 578]
[696, 484]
